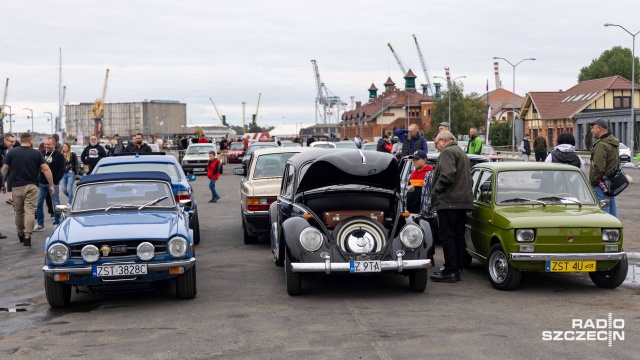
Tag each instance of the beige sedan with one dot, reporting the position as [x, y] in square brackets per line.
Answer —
[260, 186]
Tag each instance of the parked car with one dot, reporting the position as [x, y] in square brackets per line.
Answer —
[369, 146]
[122, 229]
[253, 147]
[167, 164]
[259, 187]
[340, 211]
[463, 144]
[625, 153]
[196, 158]
[541, 217]
[154, 147]
[289, 143]
[236, 152]
[489, 152]
[345, 145]
[324, 144]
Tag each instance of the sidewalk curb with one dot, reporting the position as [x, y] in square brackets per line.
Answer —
[633, 255]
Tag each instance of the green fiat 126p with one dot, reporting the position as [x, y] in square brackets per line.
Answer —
[541, 217]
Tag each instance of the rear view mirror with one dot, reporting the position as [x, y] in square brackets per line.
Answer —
[61, 208]
[239, 171]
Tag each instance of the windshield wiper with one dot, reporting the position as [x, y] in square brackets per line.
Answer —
[558, 198]
[118, 206]
[153, 202]
[522, 200]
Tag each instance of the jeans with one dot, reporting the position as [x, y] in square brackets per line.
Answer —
[613, 207]
[66, 184]
[44, 189]
[212, 187]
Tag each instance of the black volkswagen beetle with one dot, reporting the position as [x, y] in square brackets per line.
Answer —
[341, 211]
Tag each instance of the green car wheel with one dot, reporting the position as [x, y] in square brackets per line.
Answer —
[501, 274]
[610, 279]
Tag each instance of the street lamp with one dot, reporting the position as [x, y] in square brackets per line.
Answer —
[50, 119]
[11, 123]
[31, 118]
[633, 78]
[513, 100]
[449, 90]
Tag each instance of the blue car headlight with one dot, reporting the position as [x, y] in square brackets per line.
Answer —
[90, 253]
[177, 247]
[146, 251]
[58, 253]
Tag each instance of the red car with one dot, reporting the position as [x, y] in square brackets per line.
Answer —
[236, 152]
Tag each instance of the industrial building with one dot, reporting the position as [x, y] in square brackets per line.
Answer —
[157, 118]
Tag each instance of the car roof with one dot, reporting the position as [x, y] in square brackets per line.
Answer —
[140, 175]
[201, 144]
[525, 165]
[279, 150]
[133, 158]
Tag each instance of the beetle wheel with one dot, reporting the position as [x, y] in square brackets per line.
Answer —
[610, 279]
[294, 282]
[502, 275]
[418, 280]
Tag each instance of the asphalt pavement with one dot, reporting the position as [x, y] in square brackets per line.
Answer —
[242, 310]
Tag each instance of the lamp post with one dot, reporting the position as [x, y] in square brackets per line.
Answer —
[31, 118]
[633, 78]
[11, 121]
[2, 125]
[449, 90]
[513, 100]
[51, 120]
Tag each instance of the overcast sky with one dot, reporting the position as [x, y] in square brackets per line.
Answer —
[233, 50]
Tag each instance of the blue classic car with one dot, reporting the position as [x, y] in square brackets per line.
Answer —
[122, 228]
[341, 211]
[167, 164]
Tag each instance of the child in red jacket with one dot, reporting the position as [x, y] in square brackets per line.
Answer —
[213, 171]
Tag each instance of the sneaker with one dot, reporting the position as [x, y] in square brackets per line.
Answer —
[10, 201]
[212, 200]
[38, 228]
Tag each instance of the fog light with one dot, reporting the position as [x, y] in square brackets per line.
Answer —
[176, 270]
[61, 277]
[146, 251]
[527, 248]
[610, 248]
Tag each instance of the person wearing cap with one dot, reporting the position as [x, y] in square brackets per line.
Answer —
[443, 126]
[419, 194]
[411, 140]
[451, 198]
[604, 159]
[384, 144]
[118, 146]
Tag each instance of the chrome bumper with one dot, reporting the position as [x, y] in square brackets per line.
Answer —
[327, 266]
[88, 270]
[566, 257]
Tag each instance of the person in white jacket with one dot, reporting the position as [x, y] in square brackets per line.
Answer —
[565, 152]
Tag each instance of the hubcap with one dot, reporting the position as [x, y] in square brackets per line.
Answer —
[499, 267]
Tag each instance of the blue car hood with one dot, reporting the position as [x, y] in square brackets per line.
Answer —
[121, 225]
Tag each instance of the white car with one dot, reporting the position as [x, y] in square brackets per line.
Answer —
[323, 144]
[625, 152]
[196, 158]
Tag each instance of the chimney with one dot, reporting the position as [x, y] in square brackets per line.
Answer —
[497, 73]
[358, 104]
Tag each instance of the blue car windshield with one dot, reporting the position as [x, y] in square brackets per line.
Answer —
[122, 195]
[167, 168]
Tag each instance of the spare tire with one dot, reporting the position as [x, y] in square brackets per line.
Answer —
[360, 235]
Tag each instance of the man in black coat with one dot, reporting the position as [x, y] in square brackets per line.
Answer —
[55, 160]
[137, 145]
[9, 141]
[92, 153]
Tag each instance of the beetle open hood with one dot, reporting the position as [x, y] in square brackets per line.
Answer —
[344, 167]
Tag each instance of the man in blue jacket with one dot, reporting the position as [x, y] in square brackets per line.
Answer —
[411, 140]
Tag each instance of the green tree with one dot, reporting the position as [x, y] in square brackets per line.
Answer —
[500, 133]
[466, 111]
[616, 61]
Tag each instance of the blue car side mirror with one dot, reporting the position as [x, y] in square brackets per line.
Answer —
[191, 177]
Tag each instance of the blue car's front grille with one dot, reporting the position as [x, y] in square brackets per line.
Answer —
[118, 248]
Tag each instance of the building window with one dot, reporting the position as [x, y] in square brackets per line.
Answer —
[622, 102]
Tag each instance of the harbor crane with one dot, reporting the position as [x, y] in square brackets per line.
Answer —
[255, 116]
[403, 68]
[326, 99]
[222, 118]
[97, 111]
[428, 88]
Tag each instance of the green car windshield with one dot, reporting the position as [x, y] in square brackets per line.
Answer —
[542, 187]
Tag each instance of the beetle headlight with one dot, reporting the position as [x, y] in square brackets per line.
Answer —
[411, 236]
[610, 235]
[177, 247]
[90, 253]
[525, 235]
[146, 251]
[58, 253]
[311, 239]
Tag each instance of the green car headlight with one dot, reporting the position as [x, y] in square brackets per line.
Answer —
[610, 235]
[525, 235]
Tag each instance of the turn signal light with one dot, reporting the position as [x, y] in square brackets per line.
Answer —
[259, 204]
[176, 270]
[61, 277]
[307, 216]
[406, 213]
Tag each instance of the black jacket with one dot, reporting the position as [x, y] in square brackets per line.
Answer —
[132, 148]
[92, 154]
[56, 164]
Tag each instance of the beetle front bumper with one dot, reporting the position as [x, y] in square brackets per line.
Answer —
[566, 256]
[327, 266]
[88, 270]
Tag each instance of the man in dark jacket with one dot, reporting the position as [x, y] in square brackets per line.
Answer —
[8, 142]
[540, 147]
[310, 140]
[55, 160]
[92, 153]
[384, 144]
[137, 145]
[411, 140]
[451, 197]
[604, 159]
[118, 147]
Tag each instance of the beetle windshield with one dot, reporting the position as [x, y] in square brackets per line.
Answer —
[547, 186]
[122, 195]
